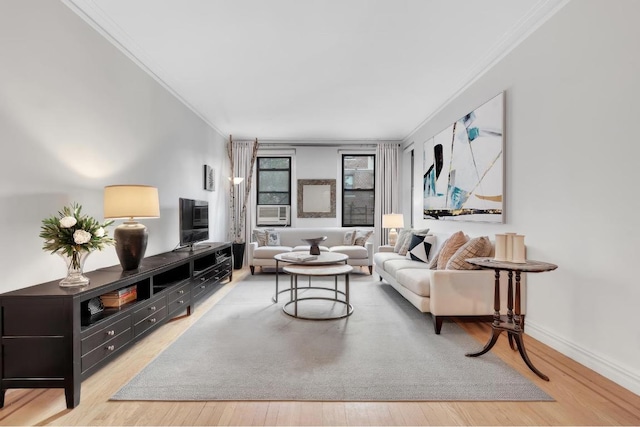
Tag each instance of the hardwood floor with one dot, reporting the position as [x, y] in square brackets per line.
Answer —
[582, 396]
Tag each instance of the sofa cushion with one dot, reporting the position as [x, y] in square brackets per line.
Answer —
[405, 234]
[273, 238]
[270, 251]
[417, 280]
[420, 247]
[260, 236]
[476, 247]
[450, 247]
[362, 236]
[307, 248]
[349, 238]
[380, 258]
[392, 266]
[352, 251]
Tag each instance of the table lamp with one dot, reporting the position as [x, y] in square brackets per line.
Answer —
[131, 201]
[392, 221]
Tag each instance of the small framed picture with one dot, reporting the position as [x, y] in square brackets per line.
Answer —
[209, 178]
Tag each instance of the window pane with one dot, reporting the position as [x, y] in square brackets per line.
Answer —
[358, 208]
[273, 181]
[273, 199]
[273, 162]
[358, 172]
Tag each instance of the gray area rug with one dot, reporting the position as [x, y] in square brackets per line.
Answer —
[246, 348]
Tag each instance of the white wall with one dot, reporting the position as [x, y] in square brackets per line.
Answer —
[76, 115]
[571, 178]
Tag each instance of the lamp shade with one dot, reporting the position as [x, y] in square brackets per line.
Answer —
[131, 201]
[392, 221]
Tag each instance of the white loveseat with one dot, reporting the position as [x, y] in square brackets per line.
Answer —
[291, 240]
[443, 293]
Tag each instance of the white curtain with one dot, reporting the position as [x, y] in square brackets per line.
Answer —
[242, 153]
[387, 181]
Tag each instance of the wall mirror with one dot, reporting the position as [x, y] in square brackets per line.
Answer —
[316, 198]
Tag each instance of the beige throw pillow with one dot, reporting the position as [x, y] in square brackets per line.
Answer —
[260, 236]
[362, 236]
[349, 237]
[450, 247]
[476, 247]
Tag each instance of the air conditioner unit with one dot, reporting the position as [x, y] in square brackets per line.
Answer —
[273, 214]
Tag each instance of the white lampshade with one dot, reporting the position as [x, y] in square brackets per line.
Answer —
[131, 201]
[392, 221]
[236, 180]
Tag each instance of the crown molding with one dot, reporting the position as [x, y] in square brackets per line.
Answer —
[537, 16]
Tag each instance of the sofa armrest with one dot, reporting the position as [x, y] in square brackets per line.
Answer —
[252, 247]
[369, 247]
[386, 248]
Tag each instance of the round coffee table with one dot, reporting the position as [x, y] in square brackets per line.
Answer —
[319, 271]
[325, 258]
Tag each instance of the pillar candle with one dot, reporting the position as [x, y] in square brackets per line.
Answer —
[509, 254]
[518, 249]
[501, 247]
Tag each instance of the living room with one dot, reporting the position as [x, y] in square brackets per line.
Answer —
[79, 115]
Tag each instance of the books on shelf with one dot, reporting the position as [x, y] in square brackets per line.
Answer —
[296, 256]
[119, 297]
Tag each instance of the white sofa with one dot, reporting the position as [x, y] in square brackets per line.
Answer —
[443, 293]
[291, 240]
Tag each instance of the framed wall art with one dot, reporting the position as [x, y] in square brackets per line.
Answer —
[464, 167]
[209, 178]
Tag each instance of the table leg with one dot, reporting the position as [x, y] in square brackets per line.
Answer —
[496, 299]
[516, 318]
[518, 337]
[510, 306]
[295, 304]
[346, 290]
[494, 338]
[336, 286]
[275, 297]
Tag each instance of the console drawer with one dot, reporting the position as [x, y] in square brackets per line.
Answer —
[106, 349]
[148, 308]
[105, 334]
[181, 293]
[180, 303]
[150, 321]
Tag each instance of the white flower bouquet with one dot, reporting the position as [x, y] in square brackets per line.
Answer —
[71, 232]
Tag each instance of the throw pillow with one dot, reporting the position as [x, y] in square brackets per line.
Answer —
[433, 264]
[273, 238]
[362, 236]
[420, 247]
[450, 247]
[260, 236]
[407, 243]
[476, 247]
[349, 238]
[404, 235]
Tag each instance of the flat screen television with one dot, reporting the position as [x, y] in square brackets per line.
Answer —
[194, 221]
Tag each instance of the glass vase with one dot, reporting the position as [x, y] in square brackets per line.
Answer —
[75, 266]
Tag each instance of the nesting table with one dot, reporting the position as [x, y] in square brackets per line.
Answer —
[325, 258]
[333, 270]
[513, 322]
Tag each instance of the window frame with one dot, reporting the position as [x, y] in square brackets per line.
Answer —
[258, 169]
[373, 189]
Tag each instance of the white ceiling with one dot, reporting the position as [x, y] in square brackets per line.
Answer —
[315, 69]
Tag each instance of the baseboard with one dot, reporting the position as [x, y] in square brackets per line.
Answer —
[604, 367]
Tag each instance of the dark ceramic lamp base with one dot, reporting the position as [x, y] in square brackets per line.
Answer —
[131, 243]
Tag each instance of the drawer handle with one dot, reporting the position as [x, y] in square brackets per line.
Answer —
[111, 333]
[181, 291]
[181, 302]
[152, 320]
[111, 347]
[202, 279]
[202, 286]
[152, 308]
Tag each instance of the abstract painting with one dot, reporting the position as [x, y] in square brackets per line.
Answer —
[463, 167]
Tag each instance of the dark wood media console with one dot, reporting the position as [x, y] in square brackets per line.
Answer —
[49, 339]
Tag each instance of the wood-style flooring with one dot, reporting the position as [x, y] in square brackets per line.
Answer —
[582, 397]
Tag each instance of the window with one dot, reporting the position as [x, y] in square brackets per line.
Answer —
[358, 190]
[274, 180]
